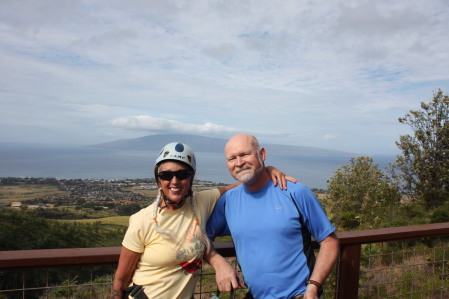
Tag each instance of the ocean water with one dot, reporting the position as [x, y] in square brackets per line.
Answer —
[70, 162]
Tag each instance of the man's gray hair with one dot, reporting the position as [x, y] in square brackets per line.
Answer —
[255, 142]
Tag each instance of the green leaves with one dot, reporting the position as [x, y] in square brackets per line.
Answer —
[422, 170]
[361, 195]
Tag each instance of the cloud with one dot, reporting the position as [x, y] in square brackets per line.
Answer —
[153, 125]
[330, 137]
[287, 71]
[368, 18]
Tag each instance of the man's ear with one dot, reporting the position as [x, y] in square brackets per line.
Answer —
[263, 153]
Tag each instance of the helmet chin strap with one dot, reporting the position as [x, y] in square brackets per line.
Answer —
[169, 202]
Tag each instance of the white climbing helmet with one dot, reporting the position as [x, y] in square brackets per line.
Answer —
[177, 151]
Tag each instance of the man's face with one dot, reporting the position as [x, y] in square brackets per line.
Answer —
[243, 159]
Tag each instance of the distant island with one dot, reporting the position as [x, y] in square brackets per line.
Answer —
[208, 144]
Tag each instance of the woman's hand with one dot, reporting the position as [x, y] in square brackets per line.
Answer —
[278, 176]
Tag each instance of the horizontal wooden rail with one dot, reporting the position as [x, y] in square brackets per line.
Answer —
[351, 245]
[394, 233]
[348, 264]
[58, 257]
[41, 258]
[107, 255]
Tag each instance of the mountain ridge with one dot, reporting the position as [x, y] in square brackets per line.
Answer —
[207, 144]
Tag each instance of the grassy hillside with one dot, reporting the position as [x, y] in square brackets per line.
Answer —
[10, 194]
[24, 230]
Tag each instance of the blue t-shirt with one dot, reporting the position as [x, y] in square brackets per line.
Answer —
[270, 241]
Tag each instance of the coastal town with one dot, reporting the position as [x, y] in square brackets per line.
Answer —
[96, 193]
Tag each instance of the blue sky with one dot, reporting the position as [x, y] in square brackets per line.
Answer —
[330, 74]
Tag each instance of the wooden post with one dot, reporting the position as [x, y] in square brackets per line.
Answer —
[348, 272]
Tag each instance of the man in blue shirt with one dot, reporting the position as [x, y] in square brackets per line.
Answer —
[271, 229]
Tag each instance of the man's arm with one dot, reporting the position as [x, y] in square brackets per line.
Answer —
[225, 275]
[216, 224]
[325, 261]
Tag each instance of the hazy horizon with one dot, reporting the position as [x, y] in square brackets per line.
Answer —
[98, 163]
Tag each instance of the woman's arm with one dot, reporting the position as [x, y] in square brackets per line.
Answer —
[278, 176]
[228, 187]
[125, 269]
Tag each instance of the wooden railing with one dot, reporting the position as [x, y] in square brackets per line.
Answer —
[348, 265]
[351, 244]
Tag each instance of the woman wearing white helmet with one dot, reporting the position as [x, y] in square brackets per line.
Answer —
[165, 242]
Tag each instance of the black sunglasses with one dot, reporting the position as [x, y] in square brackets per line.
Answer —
[180, 175]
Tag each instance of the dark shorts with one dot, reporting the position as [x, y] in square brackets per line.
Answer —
[250, 296]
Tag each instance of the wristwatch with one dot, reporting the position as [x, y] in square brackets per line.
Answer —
[317, 284]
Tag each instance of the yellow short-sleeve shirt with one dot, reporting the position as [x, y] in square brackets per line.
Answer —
[168, 269]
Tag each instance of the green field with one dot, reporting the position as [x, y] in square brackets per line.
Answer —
[10, 194]
[115, 220]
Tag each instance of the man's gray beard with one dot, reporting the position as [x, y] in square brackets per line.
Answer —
[247, 176]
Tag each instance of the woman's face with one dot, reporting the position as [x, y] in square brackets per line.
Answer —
[175, 189]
